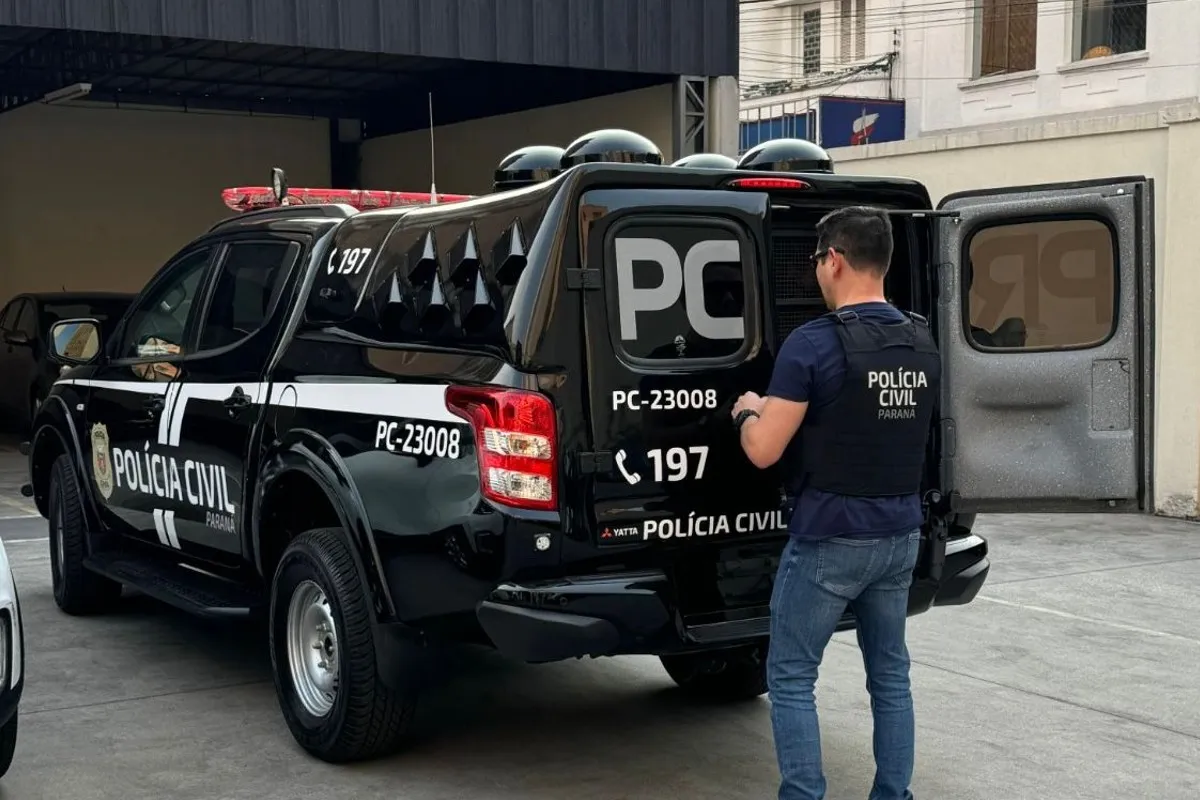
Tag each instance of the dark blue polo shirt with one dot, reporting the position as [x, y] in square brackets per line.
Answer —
[811, 367]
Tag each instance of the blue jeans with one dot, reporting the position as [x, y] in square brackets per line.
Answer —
[815, 583]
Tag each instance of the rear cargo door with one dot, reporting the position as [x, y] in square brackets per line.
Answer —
[1046, 320]
[674, 334]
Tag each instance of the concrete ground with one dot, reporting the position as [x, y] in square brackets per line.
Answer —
[1076, 674]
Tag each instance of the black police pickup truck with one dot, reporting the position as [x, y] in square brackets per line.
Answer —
[506, 419]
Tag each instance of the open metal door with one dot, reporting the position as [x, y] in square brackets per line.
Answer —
[1046, 330]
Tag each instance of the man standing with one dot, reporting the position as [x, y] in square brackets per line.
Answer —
[863, 380]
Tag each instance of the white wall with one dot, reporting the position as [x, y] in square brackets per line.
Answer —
[1161, 145]
[939, 68]
[772, 40]
[468, 152]
[935, 64]
[98, 198]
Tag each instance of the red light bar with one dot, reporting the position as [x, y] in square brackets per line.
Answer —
[250, 198]
[769, 183]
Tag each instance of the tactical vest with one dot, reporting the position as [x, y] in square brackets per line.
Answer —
[870, 441]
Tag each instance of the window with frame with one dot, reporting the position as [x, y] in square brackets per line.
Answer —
[247, 287]
[860, 28]
[1049, 284]
[25, 320]
[157, 326]
[1109, 27]
[1006, 36]
[811, 27]
[845, 30]
[680, 290]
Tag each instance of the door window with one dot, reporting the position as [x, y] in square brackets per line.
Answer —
[247, 288]
[1049, 284]
[7, 315]
[681, 290]
[158, 324]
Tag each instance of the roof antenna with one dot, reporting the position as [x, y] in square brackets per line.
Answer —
[432, 158]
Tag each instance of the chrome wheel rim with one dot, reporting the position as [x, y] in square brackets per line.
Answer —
[312, 649]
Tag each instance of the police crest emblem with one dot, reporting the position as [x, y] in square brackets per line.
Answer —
[102, 460]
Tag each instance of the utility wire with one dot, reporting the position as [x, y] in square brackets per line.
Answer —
[911, 18]
[777, 79]
[884, 19]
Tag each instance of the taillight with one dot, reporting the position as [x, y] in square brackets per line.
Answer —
[515, 439]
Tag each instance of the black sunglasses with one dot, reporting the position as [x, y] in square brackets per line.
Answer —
[820, 254]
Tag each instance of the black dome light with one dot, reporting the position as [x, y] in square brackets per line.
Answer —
[527, 166]
[611, 145]
[786, 155]
[707, 161]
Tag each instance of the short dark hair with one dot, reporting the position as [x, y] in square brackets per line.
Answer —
[863, 234]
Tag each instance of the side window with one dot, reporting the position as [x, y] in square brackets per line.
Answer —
[680, 290]
[248, 284]
[26, 320]
[1049, 284]
[6, 316]
[158, 323]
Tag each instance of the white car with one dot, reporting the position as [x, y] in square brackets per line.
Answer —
[12, 661]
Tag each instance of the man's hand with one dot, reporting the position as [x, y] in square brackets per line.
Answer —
[764, 439]
[748, 400]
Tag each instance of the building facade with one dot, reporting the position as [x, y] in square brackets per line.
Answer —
[966, 64]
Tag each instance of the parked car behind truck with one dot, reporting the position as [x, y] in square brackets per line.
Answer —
[26, 371]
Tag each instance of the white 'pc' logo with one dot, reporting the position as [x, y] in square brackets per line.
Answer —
[686, 277]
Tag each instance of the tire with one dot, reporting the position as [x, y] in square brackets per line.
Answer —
[77, 590]
[8, 743]
[726, 675]
[359, 717]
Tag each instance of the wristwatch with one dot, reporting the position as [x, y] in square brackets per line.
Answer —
[742, 416]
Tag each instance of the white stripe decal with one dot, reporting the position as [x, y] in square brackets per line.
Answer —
[177, 415]
[159, 526]
[169, 525]
[411, 400]
[164, 416]
[141, 387]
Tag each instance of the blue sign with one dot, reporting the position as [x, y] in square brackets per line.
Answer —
[786, 126]
[848, 121]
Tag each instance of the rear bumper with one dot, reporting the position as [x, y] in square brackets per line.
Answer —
[582, 616]
[966, 570]
[632, 613]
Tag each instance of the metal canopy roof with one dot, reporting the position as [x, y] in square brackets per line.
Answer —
[675, 37]
[388, 91]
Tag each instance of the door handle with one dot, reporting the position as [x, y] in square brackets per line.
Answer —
[237, 402]
[153, 406]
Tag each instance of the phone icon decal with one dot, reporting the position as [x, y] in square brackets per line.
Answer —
[630, 477]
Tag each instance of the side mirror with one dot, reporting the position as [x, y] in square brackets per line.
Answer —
[74, 341]
[20, 338]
